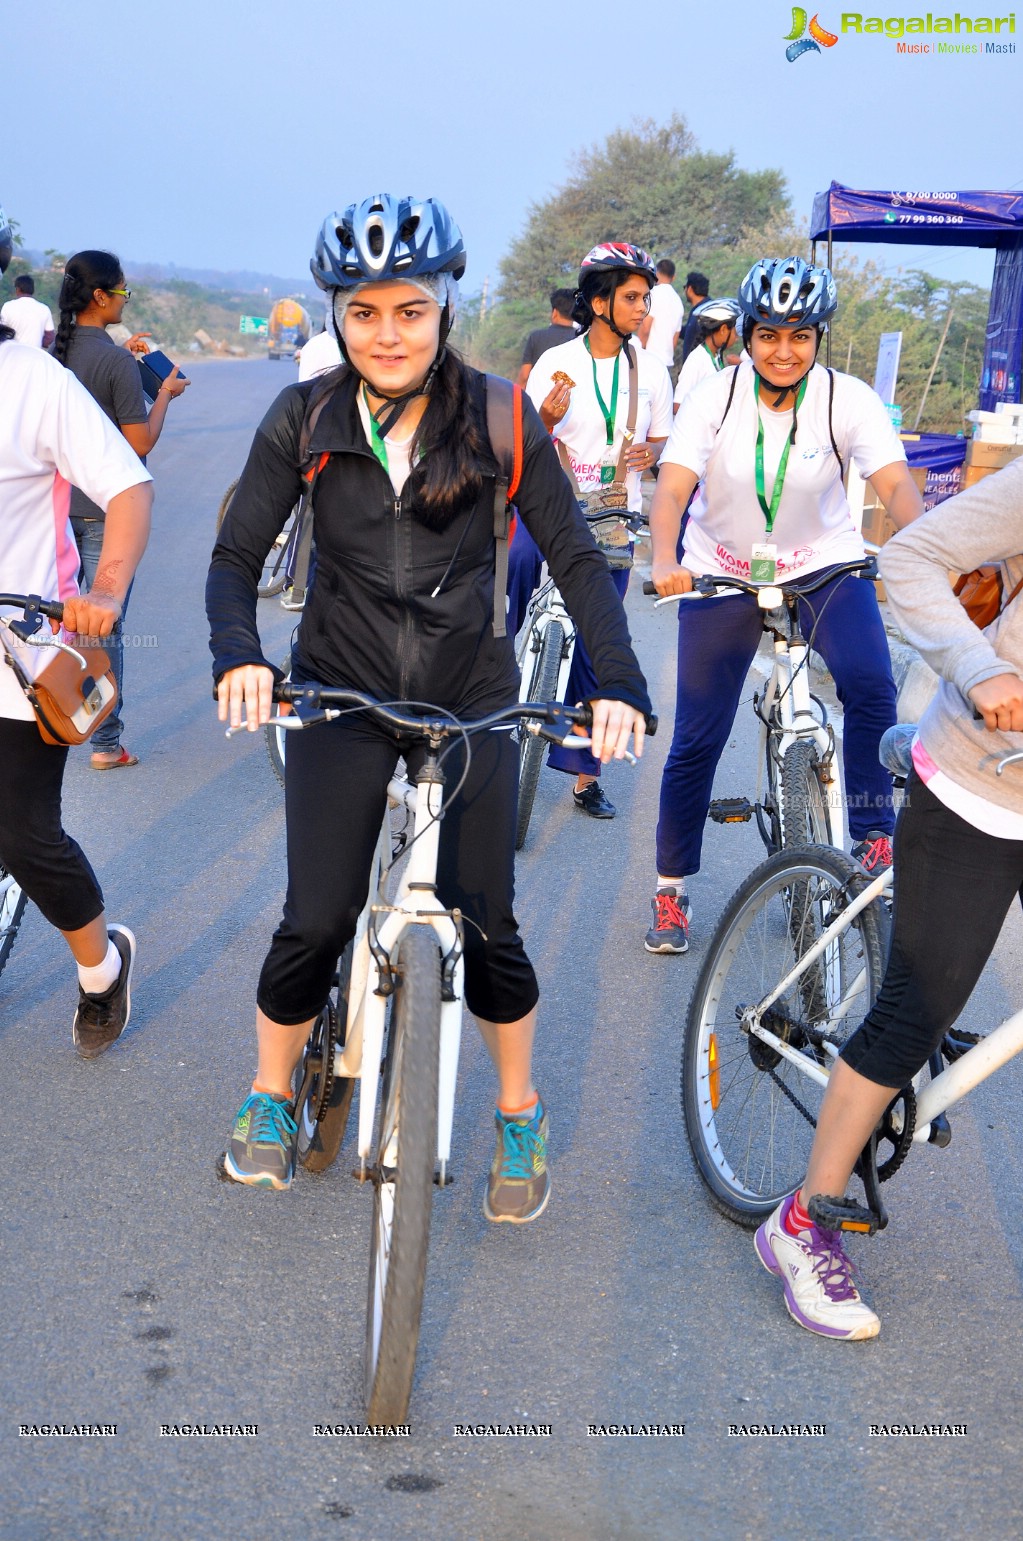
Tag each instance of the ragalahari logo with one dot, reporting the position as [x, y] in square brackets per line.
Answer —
[797, 40]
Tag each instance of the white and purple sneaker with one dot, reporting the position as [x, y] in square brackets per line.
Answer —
[817, 1277]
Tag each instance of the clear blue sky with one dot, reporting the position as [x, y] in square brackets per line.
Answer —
[218, 134]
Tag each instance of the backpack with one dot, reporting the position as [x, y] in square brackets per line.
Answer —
[504, 430]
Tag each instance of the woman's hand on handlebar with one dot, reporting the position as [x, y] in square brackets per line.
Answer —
[90, 615]
[1000, 702]
[249, 690]
[613, 724]
[668, 578]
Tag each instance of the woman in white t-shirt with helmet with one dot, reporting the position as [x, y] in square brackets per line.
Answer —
[581, 390]
[765, 443]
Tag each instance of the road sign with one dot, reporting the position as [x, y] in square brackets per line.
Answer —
[249, 324]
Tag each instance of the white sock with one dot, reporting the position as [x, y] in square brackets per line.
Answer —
[97, 981]
[678, 884]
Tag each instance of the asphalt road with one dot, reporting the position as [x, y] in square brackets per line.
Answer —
[138, 1290]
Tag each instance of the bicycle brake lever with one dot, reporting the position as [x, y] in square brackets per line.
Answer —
[292, 721]
[568, 740]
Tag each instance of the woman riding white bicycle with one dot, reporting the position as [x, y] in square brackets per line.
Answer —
[959, 839]
[766, 441]
[401, 608]
[52, 434]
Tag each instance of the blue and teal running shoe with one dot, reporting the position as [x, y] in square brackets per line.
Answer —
[519, 1184]
[262, 1147]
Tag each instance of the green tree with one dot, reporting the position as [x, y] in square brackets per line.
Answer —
[650, 184]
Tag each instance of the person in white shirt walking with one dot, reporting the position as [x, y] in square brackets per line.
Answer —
[659, 333]
[29, 319]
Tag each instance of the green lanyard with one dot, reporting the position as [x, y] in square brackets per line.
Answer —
[715, 358]
[771, 509]
[608, 414]
[377, 444]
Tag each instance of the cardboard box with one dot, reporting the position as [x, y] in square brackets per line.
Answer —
[994, 457]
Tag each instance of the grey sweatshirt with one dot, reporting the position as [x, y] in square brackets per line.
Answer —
[981, 525]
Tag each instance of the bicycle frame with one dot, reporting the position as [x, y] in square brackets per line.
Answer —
[979, 1062]
[379, 929]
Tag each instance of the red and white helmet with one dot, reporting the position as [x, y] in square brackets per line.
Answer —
[612, 256]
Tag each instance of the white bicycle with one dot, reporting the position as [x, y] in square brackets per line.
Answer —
[799, 798]
[794, 965]
[394, 1026]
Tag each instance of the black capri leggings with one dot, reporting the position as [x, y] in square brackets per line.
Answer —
[953, 888]
[45, 861]
[336, 792]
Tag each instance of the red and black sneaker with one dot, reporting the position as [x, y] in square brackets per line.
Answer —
[672, 914]
[874, 852]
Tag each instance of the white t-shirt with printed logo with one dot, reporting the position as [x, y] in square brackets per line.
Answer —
[813, 527]
[52, 433]
[583, 430]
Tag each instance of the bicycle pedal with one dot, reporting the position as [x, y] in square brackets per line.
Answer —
[957, 1042]
[842, 1214]
[730, 810]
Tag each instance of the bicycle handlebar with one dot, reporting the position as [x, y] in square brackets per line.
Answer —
[318, 697]
[706, 586]
[33, 606]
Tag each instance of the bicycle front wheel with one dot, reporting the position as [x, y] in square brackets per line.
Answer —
[276, 738]
[805, 816]
[542, 686]
[750, 1112]
[13, 900]
[403, 1179]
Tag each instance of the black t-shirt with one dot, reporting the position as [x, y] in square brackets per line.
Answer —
[111, 376]
[544, 338]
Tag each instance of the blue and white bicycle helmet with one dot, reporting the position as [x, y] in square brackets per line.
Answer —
[386, 237]
[786, 291]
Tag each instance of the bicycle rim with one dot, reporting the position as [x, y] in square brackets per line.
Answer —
[542, 687]
[403, 1179]
[750, 1113]
[275, 568]
[276, 738]
[13, 900]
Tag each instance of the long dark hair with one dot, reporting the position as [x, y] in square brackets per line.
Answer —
[451, 439]
[85, 271]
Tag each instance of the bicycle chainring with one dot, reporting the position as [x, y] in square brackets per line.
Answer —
[890, 1134]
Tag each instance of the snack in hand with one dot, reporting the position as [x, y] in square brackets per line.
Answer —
[559, 377]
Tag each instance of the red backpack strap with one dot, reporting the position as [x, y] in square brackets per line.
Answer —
[504, 430]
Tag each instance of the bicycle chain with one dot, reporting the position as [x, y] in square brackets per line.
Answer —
[790, 1094]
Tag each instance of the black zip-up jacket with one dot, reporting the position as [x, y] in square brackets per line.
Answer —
[372, 622]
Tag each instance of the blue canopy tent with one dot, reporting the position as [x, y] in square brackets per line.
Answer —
[945, 219]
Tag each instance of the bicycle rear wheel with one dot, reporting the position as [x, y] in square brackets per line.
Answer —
[276, 738]
[324, 1099]
[403, 1179]
[750, 1113]
[13, 900]
[805, 816]
[275, 568]
[542, 686]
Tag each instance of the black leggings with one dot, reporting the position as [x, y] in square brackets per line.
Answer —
[45, 861]
[336, 793]
[953, 889]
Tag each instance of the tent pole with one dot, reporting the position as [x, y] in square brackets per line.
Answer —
[827, 343]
